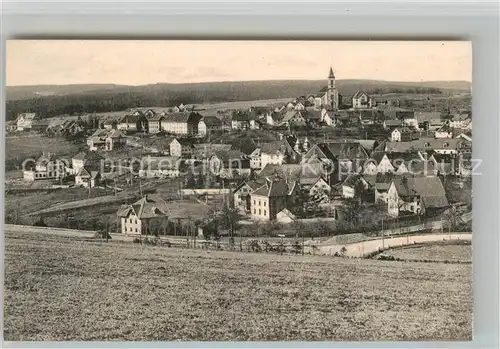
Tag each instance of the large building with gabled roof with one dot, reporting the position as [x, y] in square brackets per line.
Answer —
[139, 217]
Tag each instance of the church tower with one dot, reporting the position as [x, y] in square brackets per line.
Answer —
[333, 93]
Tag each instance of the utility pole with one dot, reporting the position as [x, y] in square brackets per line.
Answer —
[383, 242]
[302, 231]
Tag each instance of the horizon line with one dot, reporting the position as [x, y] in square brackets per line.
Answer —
[229, 81]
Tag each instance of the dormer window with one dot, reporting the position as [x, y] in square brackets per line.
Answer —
[445, 145]
[426, 144]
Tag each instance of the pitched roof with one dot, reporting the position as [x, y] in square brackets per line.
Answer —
[254, 185]
[359, 94]
[347, 149]
[423, 116]
[430, 189]
[425, 143]
[193, 117]
[211, 120]
[244, 115]
[272, 147]
[273, 188]
[149, 206]
[28, 116]
[115, 134]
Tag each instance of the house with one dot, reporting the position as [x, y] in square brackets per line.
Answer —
[229, 164]
[160, 167]
[209, 124]
[25, 120]
[106, 140]
[328, 117]
[183, 123]
[244, 120]
[439, 145]
[141, 216]
[403, 134]
[155, 122]
[205, 150]
[87, 178]
[10, 126]
[114, 139]
[354, 185]
[181, 147]
[271, 153]
[346, 156]
[134, 122]
[391, 124]
[429, 120]
[467, 136]
[271, 198]
[319, 191]
[91, 160]
[285, 216]
[241, 194]
[461, 121]
[110, 125]
[381, 188]
[46, 166]
[444, 132]
[294, 118]
[361, 100]
[420, 195]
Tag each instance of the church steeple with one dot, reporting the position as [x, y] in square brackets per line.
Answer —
[332, 93]
[331, 75]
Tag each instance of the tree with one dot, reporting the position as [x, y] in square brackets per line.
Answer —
[230, 219]
[351, 209]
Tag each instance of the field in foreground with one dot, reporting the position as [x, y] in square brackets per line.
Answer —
[438, 252]
[60, 288]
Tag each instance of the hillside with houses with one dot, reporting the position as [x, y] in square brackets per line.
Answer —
[326, 156]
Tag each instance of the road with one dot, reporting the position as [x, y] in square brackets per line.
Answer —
[361, 249]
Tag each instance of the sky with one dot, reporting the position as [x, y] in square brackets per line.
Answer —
[140, 62]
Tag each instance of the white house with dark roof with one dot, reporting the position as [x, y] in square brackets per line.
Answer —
[271, 198]
[417, 195]
[241, 194]
[183, 123]
[25, 121]
[209, 124]
[139, 217]
[86, 178]
[361, 100]
[47, 166]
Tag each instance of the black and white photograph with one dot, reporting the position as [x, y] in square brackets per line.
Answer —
[252, 190]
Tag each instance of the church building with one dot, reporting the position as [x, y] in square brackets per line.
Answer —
[329, 96]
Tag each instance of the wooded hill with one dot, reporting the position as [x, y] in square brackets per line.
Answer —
[73, 99]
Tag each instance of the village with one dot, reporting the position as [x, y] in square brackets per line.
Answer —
[347, 163]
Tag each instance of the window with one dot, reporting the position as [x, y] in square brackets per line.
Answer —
[254, 202]
[136, 221]
[264, 204]
[265, 213]
[130, 220]
[259, 212]
[136, 230]
[259, 202]
[254, 211]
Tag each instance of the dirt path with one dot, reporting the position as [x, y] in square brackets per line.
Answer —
[361, 249]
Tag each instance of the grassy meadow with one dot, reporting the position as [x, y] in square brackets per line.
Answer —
[436, 252]
[59, 288]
